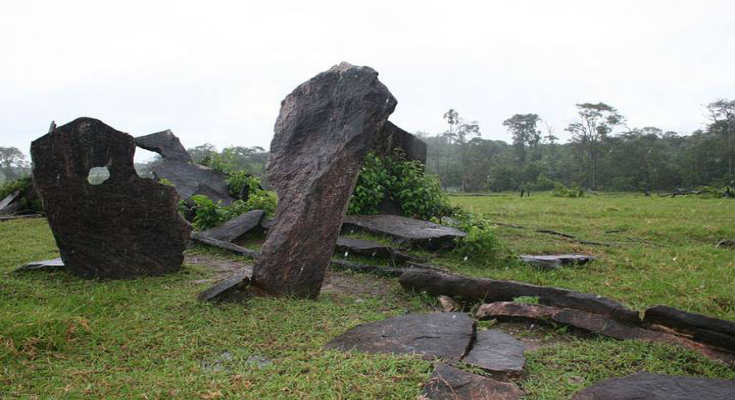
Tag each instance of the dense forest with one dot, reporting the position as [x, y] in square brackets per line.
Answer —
[604, 154]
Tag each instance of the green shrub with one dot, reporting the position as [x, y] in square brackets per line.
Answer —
[418, 194]
[481, 244]
[207, 213]
[562, 191]
[11, 186]
[238, 180]
[29, 202]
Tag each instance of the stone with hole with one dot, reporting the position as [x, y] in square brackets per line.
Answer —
[122, 226]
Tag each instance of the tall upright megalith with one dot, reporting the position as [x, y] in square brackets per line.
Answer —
[107, 221]
[324, 129]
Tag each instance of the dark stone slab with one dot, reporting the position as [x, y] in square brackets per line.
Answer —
[190, 179]
[370, 248]
[164, 143]
[412, 231]
[124, 227]
[8, 205]
[392, 137]
[595, 323]
[496, 351]
[202, 238]
[323, 131]
[556, 260]
[451, 383]
[706, 329]
[236, 227]
[648, 386]
[45, 265]
[435, 335]
[229, 289]
[390, 272]
[437, 283]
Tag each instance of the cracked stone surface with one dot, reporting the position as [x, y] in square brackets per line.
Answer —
[496, 351]
[434, 335]
[451, 383]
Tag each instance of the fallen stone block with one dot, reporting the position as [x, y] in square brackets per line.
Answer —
[323, 131]
[704, 329]
[435, 335]
[411, 231]
[123, 227]
[595, 323]
[232, 288]
[369, 248]
[203, 238]
[555, 261]
[45, 265]
[452, 383]
[177, 167]
[498, 352]
[644, 385]
[236, 227]
[488, 290]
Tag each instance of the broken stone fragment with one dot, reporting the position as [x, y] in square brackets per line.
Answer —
[164, 143]
[449, 304]
[177, 167]
[434, 335]
[644, 385]
[368, 248]
[124, 227]
[596, 323]
[555, 261]
[437, 283]
[392, 137]
[45, 265]
[705, 329]
[452, 383]
[231, 288]
[496, 351]
[236, 227]
[323, 131]
[411, 231]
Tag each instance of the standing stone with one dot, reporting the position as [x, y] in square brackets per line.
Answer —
[325, 127]
[123, 227]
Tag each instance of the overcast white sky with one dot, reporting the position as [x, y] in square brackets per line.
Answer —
[216, 71]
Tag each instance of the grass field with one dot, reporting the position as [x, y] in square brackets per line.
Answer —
[64, 337]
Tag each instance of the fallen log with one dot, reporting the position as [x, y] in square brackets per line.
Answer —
[439, 283]
[596, 323]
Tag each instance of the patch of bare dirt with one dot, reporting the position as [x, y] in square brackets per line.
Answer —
[336, 283]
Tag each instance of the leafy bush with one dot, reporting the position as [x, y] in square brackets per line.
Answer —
[481, 244]
[208, 214]
[11, 186]
[417, 194]
[239, 180]
[562, 191]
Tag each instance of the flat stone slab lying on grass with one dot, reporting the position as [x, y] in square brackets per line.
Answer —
[371, 248]
[451, 383]
[441, 283]
[46, 265]
[554, 261]
[596, 323]
[496, 351]
[648, 386]
[229, 288]
[236, 227]
[434, 335]
[705, 329]
[412, 231]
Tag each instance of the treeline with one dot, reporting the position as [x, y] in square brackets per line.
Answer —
[603, 153]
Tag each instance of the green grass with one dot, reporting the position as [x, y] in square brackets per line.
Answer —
[65, 337]
[663, 248]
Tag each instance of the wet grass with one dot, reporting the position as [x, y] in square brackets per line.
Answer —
[65, 337]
